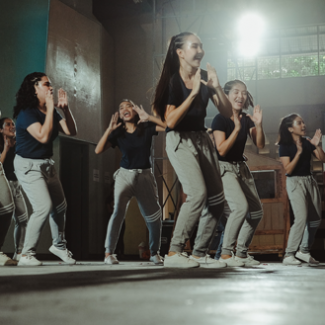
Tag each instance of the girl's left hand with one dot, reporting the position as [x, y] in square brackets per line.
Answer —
[143, 115]
[213, 81]
[62, 99]
[257, 115]
[316, 138]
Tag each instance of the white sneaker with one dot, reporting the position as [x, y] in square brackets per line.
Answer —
[6, 261]
[180, 260]
[248, 261]
[290, 260]
[306, 257]
[16, 257]
[232, 262]
[157, 259]
[64, 254]
[111, 259]
[208, 262]
[29, 260]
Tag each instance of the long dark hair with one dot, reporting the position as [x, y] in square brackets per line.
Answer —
[228, 86]
[25, 97]
[285, 136]
[170, 66]
[140, 127]
[2, 141]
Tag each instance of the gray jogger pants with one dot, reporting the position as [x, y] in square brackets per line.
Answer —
[20, 215]
[243, 207]
[306, 204]
[44, 191]
[141, 184]
[7, 206]
[195, 162]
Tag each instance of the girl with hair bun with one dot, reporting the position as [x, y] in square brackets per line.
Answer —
[181, 98]
[295, 151]
[243, 206]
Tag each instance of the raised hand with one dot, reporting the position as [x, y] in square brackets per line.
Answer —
[237, 119]
[49, 101]
[299, 146]
[113, 125]
[213, 81]
[196, 82]
[257, 116]
[316, 138]
[143, 115]
[62, 99]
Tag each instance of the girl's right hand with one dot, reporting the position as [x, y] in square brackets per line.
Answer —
[49, 101]
[113, 125]
[196, 82]
[299, 147]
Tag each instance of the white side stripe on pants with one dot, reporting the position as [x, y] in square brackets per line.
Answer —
[216, 199]
[256, 214]
[154, 216]
[7, 209]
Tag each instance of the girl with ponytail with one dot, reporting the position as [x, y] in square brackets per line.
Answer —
[181, 98]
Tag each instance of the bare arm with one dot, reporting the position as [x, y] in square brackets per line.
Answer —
[223, 145]
[288, 165]
[5, 149]
[68, 125]
[220, 99]
[145, 117]
[318, 152]
[174, 115]
[103, 144]
[257, 132]
[42, 133]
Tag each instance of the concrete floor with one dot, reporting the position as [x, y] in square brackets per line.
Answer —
[141, 293]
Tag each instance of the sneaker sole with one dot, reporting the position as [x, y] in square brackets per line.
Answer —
[181, 266]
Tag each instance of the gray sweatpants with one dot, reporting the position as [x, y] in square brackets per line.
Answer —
[141, 184]
[20, 215]
[44, 191]
[7, 206]
[195, 162]
[306, 204]
[243, 207]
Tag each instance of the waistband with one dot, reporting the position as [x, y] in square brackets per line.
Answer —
[146, 170]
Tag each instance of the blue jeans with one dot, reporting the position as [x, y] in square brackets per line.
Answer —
[218, 239]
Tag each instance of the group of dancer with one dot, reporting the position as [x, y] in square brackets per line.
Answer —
[214, 176]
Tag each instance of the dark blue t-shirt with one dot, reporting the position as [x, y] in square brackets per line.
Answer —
[303, 165]
[26, 145]
[227, 125]
[135, 148]
[194, 118]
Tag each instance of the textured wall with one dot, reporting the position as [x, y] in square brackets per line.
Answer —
[23, 35]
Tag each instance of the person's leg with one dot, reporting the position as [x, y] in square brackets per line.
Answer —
[215, 194]
[297, 194]
[20, 216]
[123, 192]
[221, 231]
[146, 194]
[313, 222]
[254, 216]
[32, 180]
[6, 211]
[184, 159]
[237, 206]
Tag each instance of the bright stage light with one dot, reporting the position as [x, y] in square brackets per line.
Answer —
[251, 28]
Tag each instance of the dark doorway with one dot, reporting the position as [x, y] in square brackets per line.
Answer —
[74, 162]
